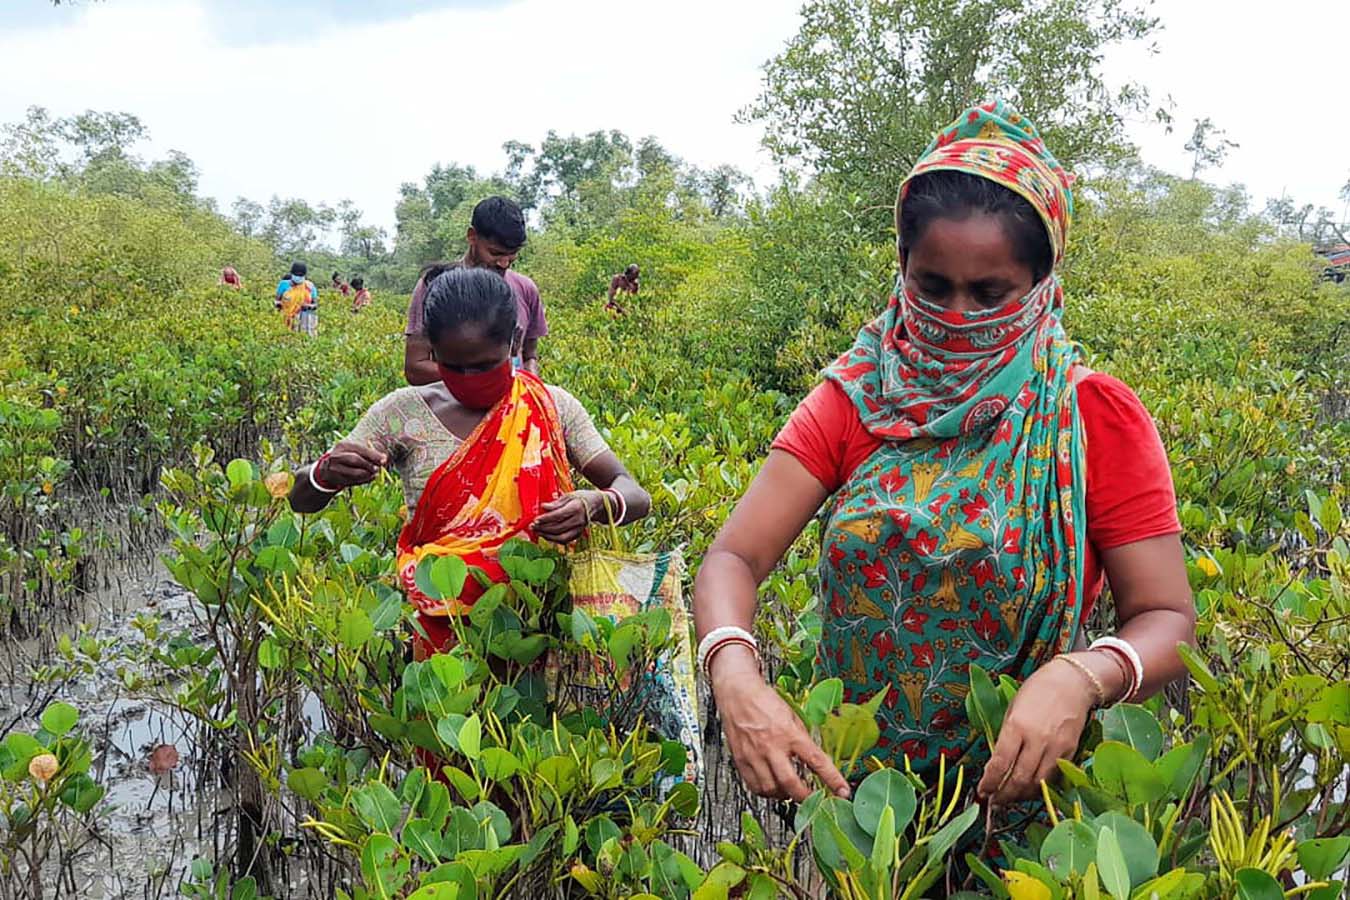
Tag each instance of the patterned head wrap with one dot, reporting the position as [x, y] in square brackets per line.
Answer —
[996, 142]
[959, 540]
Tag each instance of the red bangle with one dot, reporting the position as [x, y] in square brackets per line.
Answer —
[726, 642]
[314, 476]
[1126, 669]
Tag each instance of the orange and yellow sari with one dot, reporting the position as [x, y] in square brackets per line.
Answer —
[489, 491]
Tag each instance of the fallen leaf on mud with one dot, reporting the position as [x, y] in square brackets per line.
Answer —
[163, 758]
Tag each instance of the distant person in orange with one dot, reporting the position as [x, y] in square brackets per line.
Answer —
[362, 297]
[230, 278]
[341, 286]
[625, 282]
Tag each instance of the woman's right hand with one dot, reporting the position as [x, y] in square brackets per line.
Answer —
[349, 464]
[765, 735]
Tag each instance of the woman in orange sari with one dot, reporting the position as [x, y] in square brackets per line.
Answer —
[483, 454]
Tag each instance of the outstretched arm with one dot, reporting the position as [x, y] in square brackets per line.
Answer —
[1044, 724]
[764, 734]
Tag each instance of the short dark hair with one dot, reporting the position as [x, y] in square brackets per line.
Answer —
[949, 194]
[499, 220]
[632, 270]
[337, 276]
[299, 269]
[358, 282]
[464, 296]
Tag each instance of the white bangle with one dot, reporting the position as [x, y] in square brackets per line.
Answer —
[620, 511]
[720, 634]
[1131, 655]
[315, 484]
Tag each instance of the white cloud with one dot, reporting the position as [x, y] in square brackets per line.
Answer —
[1273, 77]
[354, 112]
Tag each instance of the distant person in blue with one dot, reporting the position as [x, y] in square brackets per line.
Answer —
[298, 300]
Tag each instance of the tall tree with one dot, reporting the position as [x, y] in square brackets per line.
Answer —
[1208, 146]
[864, 84]
[359, 239]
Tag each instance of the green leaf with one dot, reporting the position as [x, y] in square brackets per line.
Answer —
[441, 890]
[822, 700]
[382, 865]
[1254, 884]
[1123, 771]
[947, 836]
[606, 774]
[1136, 845]
[987, 703]
[239, 472]
[1069, 848]
[882, 790]
[1111, 865]
[448, 574]
[308, 782]
[848, 733]
[683, 799]
[1332, 705]
[59, 718]
[483, 608]
[423, 838]
[571, 837]
[377, 806]
[1179, 766]
[1320, 857]
[470, 736]
[599, 830]
[883, 840]
[1199, 669]
[354, 629]
[81, 793]
[1135, 726]
[498, 764]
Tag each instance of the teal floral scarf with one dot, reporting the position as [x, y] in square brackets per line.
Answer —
[960, 540]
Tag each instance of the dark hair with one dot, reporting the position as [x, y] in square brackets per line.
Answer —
[299, 269]
[499, 220]
[948, 194]
[337, 276]
[358, 282]
[463, 296]
[433, 269]
[632, 269]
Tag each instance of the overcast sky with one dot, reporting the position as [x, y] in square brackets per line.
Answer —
[326, 99]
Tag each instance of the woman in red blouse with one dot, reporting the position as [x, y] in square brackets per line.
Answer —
[985, 483]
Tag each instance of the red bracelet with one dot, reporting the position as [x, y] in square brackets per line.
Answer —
[1126, 669]
[314, 476]
[726, 642]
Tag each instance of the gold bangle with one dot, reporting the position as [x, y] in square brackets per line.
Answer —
[1091, 676]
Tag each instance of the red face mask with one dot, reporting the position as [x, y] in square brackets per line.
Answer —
[480, 390]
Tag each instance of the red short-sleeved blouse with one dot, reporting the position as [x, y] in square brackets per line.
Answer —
[1129, 485]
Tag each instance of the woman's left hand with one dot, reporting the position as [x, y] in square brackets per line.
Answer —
[1043, 726]
[564, 520]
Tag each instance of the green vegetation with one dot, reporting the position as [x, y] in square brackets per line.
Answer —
[126, 373]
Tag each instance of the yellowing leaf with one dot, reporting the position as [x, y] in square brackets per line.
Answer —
[1022, 886]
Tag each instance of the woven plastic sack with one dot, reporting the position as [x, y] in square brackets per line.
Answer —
[615, 585]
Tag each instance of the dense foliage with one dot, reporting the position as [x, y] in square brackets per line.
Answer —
[124, 371]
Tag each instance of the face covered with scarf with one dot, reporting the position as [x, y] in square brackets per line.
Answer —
[960, 539]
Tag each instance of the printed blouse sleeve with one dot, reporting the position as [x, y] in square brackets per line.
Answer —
[584, 441]
[374, 429]
[1129, 482]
